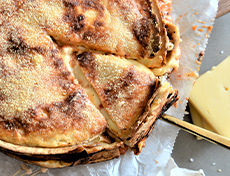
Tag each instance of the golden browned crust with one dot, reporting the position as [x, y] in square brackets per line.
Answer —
[111, 77]
[41, 103]
[120, 85]
[123, 27]
[46, 102]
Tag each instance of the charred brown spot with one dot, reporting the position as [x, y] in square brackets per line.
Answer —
[54, 52]
[65, 74]
[101, 106]
[99, 23]
[171, 99]
[88, 35]
[9, 125]
[128, 79]
[17, 45]
[80, 17]
[123, 84]
[58, 63]
[147, 34]
[2, 97]
[76, 96]
[76, 21]
[92, 4]
[169, 33]
[156, 44]
[70, 3]
[141, 31]
[70, 98]
[87, 61]
[66, 85]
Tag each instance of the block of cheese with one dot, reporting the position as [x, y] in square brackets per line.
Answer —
[211, 97]
[198, 120]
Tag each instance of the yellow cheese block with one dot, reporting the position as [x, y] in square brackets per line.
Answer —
[211, 97]
[199, 121]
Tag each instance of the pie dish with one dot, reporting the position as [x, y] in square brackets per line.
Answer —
[83, 81]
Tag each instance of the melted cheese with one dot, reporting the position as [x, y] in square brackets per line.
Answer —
[93, 96]
[173, 63]
[67, 53]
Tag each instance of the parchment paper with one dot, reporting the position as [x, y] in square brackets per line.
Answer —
[194, 19]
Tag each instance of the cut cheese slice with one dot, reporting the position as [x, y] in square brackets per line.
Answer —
[199, 121]
[211, 97]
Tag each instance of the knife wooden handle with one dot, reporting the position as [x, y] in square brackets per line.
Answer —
[198, 131]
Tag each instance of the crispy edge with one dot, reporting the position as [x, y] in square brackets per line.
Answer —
[146, 124]
[81, 155]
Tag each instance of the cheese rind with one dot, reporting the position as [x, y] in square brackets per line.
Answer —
[211, 97]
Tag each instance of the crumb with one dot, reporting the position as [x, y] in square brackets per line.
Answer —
[219, 170]
[201, 21]
[194, 27]
[192, 74]
[198, 62]
[209, 28]
[222, 52]
[201, 172]
[186, 112]
[29, 171]
[191, 160]
[44, 170]
[24, 166]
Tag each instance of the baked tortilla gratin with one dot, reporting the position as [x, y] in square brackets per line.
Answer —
[81, 81]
